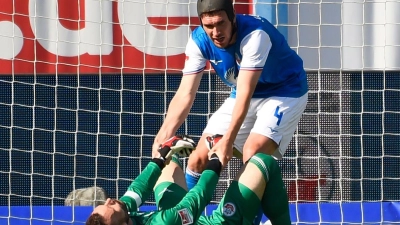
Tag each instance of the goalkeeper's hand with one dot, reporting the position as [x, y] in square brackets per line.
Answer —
[181, 144]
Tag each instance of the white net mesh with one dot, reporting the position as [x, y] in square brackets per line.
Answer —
[85, 85]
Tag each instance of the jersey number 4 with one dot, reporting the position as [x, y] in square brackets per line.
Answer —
[278, 115]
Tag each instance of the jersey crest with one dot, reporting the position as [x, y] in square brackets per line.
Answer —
[186, 216]
[229, 209]
[231, 76]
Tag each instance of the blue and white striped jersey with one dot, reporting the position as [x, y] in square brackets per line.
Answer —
[259, 46]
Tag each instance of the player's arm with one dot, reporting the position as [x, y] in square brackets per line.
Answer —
[179, 106]
[246, 83]
[182, 101]
[255, 48]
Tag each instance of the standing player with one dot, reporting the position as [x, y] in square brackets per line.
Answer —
[268, 81]
[257, 180]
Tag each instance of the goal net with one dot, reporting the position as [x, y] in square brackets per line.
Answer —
[85, 84]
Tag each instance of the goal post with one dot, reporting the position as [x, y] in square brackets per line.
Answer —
[85, 85]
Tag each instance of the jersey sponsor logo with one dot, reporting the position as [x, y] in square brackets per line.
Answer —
[186, 216]
[229, 209]
[215, 61]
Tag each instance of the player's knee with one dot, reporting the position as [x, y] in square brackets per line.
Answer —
[198, 160]
[266, 164]
[250, 150]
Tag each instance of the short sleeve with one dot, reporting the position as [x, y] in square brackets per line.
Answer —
[255, 48]
[194, 61]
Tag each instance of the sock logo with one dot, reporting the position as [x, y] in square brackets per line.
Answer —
[229, 209]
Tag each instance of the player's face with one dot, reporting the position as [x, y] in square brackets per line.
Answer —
[218, 27]
[113, 211]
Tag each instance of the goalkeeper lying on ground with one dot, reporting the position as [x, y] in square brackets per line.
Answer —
[239, 205]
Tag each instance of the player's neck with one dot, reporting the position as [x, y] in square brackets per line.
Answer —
[233, 39]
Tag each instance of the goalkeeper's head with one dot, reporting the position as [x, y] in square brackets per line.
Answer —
[113, 212]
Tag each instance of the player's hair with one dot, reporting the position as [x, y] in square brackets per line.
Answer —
[95, 219]
[209, 6]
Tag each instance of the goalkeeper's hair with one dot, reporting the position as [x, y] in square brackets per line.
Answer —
[95, 219]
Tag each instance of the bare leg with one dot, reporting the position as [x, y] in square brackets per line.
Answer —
[199, 158]
[252, 178]
[197, 163]
[172, 173]
[258, 143]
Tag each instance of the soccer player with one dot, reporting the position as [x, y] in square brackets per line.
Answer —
[177, 208]
[269, 85]
[268, 81]
[255, 183]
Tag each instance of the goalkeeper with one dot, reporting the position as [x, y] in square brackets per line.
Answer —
[177, 206]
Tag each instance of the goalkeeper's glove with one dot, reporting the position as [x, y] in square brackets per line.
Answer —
[181, 144]
[212, 140]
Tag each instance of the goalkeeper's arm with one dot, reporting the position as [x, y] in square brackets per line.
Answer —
[141, 188]
[196, 199]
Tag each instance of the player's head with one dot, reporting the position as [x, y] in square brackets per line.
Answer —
[113, 212]
[218, 20]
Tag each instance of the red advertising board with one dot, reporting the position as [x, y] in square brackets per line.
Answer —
[92, 36]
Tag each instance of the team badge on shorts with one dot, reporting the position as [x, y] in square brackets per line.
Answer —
[229, 209]
[186, 216]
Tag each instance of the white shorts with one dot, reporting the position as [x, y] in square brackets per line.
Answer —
[274, 117]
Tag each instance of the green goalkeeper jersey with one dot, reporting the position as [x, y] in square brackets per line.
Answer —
[175, 204]
[139, 190]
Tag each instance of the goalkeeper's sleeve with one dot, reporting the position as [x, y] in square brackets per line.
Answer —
[141, 188]
[201, 194]
[189, 209]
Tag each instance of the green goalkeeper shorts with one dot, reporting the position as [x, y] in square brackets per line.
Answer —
[168, 195]
[172, 208]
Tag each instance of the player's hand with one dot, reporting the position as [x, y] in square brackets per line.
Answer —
[221, 147]
[181, 144]
[156, 146]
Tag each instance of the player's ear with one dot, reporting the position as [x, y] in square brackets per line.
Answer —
[107, 202]
[233, 22]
